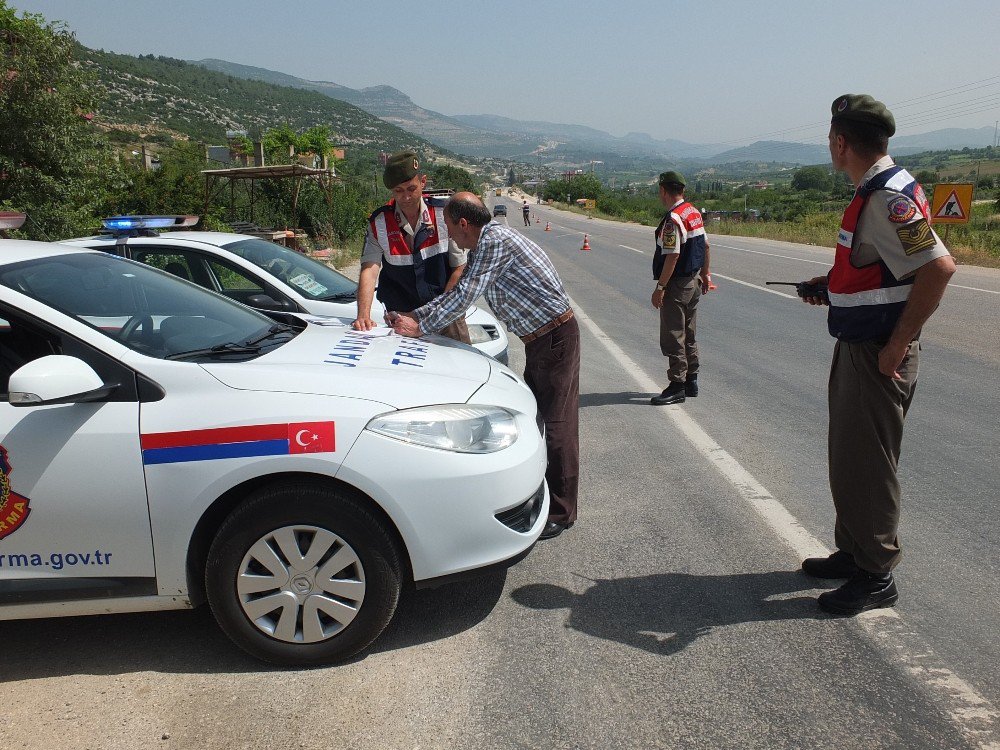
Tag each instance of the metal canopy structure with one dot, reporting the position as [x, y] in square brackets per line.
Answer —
[216, 180]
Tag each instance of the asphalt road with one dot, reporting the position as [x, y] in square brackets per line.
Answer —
[672, 614]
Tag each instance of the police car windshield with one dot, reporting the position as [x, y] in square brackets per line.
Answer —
[310, 278]
[150, 311]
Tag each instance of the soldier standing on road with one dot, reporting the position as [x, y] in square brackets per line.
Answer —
[526, 211]
[889, 274]
[525, 292]
[407, 249]
[680, 266]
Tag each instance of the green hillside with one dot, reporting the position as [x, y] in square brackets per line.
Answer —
[153, 93]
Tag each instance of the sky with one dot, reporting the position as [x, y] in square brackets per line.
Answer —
[709, 72]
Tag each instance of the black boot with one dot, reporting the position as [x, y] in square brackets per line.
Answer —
[862, 592]
[673, 394]
[838, 565]
[691, 386]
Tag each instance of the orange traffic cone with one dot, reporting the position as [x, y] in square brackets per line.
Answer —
[537, 220]
[548, 226]
[586, 244]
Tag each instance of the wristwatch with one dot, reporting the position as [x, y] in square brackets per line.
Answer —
[660, 287]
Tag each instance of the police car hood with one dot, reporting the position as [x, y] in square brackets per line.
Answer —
[330, 359]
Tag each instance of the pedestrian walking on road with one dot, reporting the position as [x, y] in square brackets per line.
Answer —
[680, 267]
[526, 212]
[525, 292]
[889, 274]
[407, 249]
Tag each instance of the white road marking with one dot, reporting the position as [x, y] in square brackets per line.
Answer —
[774, 255]
[974, 289]
[754, 286]
[633, 249]
[973, 715]
[821, 263]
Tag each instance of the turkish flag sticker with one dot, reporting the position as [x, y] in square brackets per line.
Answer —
[312, 437]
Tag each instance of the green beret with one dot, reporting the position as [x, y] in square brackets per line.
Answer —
[401, 167]
[672, 178]
[864, 109]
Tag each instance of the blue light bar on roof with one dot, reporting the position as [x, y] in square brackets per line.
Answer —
[128, 223]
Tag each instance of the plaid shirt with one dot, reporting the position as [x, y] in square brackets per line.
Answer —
[517, 277]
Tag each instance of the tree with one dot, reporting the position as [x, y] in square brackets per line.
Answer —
[54, 163]
[317, 139]
[577, 186]
[177, 187]
[812, 178]
[446, 176]
[278, 143]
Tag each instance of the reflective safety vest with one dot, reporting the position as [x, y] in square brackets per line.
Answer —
[411, 278]
[866, 301]
[692, 256]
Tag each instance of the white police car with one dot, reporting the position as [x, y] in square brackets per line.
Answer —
[161, 445]
[256, 272]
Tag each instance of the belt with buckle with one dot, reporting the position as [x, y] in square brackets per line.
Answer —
[548, 327]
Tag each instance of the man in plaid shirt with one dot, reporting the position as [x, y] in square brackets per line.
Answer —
[525, 292]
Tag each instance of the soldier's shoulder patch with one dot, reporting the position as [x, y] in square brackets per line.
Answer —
[901, 210]
[916, 237]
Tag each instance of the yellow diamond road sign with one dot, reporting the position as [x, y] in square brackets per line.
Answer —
[952, 203]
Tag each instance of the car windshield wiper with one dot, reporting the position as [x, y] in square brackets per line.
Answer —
[273, 331]
[215, 351]
[339, 295]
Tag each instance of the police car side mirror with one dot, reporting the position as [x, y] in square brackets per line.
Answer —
[57, 379]
[266, 302]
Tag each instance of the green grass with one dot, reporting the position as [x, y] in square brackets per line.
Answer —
[815, 229]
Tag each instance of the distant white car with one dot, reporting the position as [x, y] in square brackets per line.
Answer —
[259, 273]
[161, 445]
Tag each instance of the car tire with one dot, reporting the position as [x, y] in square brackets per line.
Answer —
[302, 514]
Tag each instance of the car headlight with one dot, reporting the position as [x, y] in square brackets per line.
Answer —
[463, 429]
[482, 334]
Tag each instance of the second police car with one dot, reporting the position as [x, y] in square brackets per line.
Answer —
[257, 272]
[161, 445]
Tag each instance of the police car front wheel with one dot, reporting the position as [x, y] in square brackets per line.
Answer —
[303, 574]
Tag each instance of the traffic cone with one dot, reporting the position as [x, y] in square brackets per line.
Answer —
[548, 226]
[537, 220]
[586, 244]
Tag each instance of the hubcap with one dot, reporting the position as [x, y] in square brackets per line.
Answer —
[301, 584]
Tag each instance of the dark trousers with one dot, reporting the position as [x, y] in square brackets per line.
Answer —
[527, 219]
[678, 325]
[552, 372]
[867, 410]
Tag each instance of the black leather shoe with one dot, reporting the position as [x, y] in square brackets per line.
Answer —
[673, 394]
[552, 530]
[691, 387]
[862, 592]
[838, 565]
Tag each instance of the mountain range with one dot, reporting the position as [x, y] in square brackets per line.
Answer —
[148, 93]
[559, 143]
